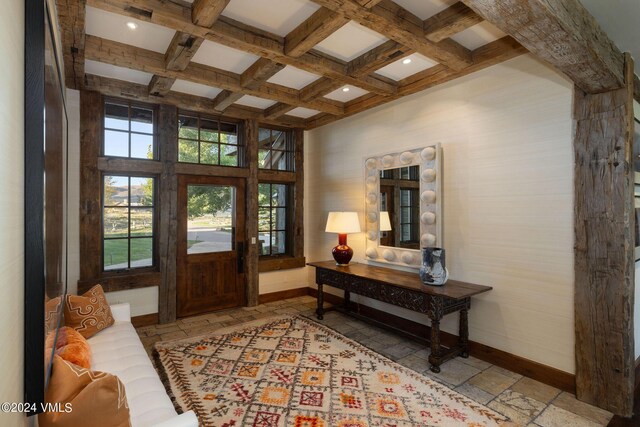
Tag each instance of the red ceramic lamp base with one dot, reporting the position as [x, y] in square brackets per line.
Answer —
[342, 253]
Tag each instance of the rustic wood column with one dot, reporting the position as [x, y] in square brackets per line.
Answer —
[91, 110]
[604, 246]
[298, 210]
[168, 196]
[250, 130]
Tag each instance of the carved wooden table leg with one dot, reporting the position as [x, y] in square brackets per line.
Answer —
[320, 309]
[434, 357]
[347, 300]
[464, 333]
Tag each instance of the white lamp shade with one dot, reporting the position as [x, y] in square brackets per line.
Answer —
[343, 223]
[385, 222]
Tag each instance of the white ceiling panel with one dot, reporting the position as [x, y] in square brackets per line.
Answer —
[275, 16]
[350, 41]
[398, 70]
[424, 9]
[342, 96]
[195, 89]
[112, 26]
[107, 70]
[223, 57]
[478, 35]
[305, 113]
[293, 77]
[252, 101]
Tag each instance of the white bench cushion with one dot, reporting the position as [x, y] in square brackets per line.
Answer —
[118, 351]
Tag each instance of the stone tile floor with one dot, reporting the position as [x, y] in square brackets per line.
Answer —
[526, 401]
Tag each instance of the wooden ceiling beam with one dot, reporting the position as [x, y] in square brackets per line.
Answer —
[122, 89]
[397, 23]
[312, 31]
[71, 16]
[252, 78]
[225, 99]
[181, 50]
[376, 58]
[206, 12]
[184, 45]
[135, 58]
[240, 36]
[316, 28]
[277, 110]
[453, 20]
[491, 54]
[562, 33]
[159, 85]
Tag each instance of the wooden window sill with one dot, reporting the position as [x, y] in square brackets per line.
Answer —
[282, 263]
[122, 281]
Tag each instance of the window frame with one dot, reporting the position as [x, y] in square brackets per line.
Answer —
[289, 213]
[130, 104]
[154, 234]
[241, 146]
[289, 151]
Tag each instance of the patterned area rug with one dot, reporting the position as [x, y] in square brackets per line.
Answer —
[290, 371]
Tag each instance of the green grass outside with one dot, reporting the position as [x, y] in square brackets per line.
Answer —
[115, 251]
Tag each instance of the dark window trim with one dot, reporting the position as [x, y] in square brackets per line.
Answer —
[130, 104]
[241, 146]
[154, 246]
[289, 150]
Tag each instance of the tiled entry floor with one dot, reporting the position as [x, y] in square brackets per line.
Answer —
[526, 401]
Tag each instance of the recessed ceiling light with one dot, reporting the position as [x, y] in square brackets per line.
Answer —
[406, 61]
[345, 89]
[132, 25]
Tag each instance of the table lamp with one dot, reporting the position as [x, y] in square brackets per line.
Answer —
[342, 223]
[385, 222]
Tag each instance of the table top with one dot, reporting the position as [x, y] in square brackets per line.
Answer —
[452, 289]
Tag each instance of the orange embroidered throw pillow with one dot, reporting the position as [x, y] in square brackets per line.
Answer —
[88, 313]
[71, 346]
[86, 398]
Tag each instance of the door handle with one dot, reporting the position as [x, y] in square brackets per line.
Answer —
[240, 256]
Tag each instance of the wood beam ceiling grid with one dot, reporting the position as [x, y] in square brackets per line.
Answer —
[203, 20]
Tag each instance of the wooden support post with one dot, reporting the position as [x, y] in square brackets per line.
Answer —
[604, 247]
[298, 209]
[168, 194]
[91, 110]
[251, 253]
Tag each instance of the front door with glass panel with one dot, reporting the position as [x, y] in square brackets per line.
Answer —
[211, 236]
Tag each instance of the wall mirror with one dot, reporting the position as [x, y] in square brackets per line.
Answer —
[403, 205]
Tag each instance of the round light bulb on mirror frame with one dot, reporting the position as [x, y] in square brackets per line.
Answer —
[132, 25]
[406, 61]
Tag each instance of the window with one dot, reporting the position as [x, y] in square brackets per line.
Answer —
[273, 217]
[207, 141]
[276, 150]
[128, 222]
[409, 215]
[128, 131]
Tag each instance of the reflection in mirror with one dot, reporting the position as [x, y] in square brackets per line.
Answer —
[400, 197]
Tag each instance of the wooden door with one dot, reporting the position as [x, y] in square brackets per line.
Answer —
[211, 241]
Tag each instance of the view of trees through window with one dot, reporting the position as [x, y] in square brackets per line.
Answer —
[211, 217]
[272, 218]
[128, 222]
[207, 141]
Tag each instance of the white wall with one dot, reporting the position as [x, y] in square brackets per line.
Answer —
[506, 134]
[12, 202]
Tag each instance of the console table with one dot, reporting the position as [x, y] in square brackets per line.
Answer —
[404, 290]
